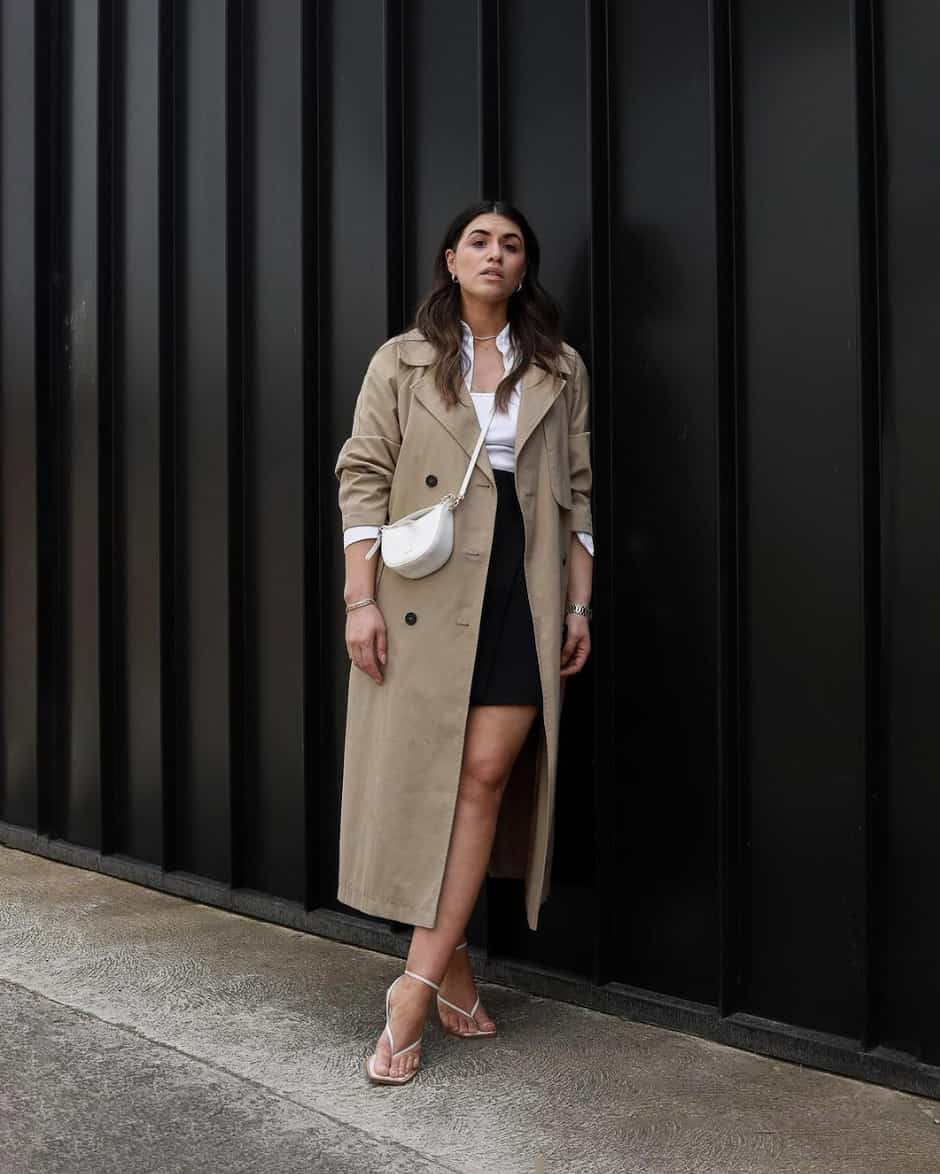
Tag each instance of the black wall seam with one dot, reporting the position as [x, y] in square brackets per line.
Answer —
[872, 544]
[240, 593]
[169, 457]
[112, 740]
[394, 167]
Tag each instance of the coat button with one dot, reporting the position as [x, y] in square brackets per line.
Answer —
[410, 617]
[430, 480]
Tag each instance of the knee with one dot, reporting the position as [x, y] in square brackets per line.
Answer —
[484, 776]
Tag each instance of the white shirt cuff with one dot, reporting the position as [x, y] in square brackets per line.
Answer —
[355, 533]
[586, 541]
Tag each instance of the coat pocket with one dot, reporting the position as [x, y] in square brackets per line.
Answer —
[556, 446]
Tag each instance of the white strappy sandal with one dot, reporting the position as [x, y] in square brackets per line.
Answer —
[477, 1034]
[376, 1077]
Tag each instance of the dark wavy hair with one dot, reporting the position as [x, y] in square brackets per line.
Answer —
[534, 318]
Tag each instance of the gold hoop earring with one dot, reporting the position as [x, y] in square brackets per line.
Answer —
[453, 277]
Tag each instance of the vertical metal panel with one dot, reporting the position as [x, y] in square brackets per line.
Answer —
[604, 424]
[203, 508]
[78, 807]
[441, 129]
[353, 289]
[731, 944]
[394, 20]
[490, 138]
[273, 794]
[804, 658]
[51, 301]
[870, 585]
[138, 826]
[543, 124]
[440, 172]
[908, 963]
[19, 555]
[664, 493]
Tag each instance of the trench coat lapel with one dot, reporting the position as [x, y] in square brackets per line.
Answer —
[538, 391]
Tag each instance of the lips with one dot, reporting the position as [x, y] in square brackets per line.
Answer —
[491, 273]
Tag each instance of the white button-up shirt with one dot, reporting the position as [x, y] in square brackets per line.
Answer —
[501, 437]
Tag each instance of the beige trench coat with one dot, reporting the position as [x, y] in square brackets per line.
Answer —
[404, 738]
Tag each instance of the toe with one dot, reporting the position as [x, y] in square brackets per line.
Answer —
[380, 1065]
[404, 1064]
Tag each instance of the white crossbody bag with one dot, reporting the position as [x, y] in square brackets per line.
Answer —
[420, 543]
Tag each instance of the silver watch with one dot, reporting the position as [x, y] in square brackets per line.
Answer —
[578, 609]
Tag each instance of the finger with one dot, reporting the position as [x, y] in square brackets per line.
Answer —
[364, 660]
[578, 658]
[574, 667]
[569, 648]
[381, 645]
[372, 670]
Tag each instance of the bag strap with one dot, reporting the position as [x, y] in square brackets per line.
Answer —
[463, 488]
[473, 460]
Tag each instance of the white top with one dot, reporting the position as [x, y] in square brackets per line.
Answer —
[500, 441]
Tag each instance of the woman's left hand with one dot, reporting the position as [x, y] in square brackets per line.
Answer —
[577, 646]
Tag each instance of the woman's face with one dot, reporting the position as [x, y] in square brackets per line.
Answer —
[489, 260]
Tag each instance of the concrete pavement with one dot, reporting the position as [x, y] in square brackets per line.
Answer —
[147, 1034]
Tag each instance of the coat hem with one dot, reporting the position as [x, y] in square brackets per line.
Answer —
[380, 907]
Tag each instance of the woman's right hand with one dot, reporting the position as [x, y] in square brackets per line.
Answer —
[366, 639]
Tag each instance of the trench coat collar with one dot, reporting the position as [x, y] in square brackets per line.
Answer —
[538, 391]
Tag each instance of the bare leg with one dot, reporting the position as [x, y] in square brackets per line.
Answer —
[494, 736]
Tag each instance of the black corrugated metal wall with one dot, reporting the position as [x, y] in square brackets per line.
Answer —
[212, 212]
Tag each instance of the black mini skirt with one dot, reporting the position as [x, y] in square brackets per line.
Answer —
[506, 668]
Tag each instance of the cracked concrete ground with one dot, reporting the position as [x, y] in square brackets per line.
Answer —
[144, 1033]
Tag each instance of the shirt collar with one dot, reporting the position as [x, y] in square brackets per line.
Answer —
[502, 339]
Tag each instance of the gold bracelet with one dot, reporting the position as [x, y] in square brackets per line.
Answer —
[359, 603]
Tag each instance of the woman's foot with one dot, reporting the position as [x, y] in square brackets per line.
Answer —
[408, 1008]
[458, 987]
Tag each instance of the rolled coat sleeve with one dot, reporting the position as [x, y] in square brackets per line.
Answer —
[366, 462]
[579, 451]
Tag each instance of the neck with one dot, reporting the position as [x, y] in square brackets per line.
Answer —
[484, 317]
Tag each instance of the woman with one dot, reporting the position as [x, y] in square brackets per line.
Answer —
[456, 678]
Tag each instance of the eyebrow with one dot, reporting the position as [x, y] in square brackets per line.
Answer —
[485, 233]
